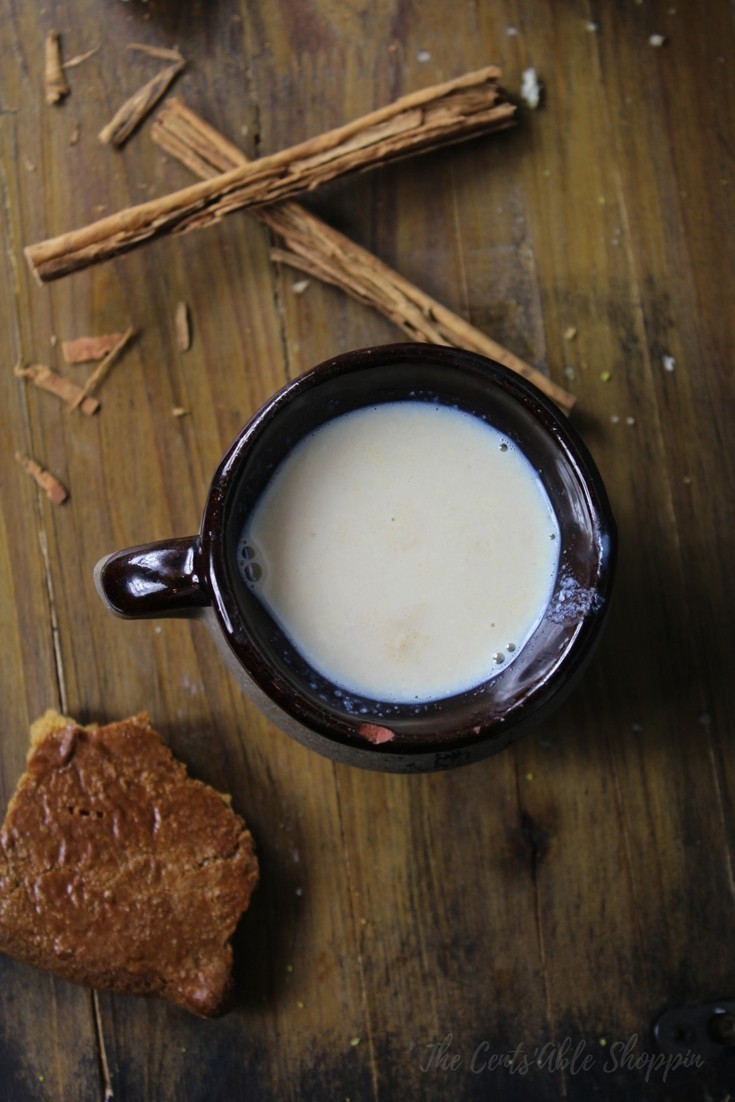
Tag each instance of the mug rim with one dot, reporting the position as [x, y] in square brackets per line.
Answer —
[467, 744]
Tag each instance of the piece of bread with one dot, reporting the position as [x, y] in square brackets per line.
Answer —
[118, 871]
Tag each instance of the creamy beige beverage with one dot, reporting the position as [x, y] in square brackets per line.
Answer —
[408, 550]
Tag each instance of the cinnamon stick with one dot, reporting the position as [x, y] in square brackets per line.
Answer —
[449, 112]
[316, 248]
[54, 80]
[66, 389]
[53, 489]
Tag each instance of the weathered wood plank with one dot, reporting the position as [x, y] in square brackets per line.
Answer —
[571, 888]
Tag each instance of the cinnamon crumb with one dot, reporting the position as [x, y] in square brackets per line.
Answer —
[55, 492]
[376, 734]
[54, 79]
[183, 327]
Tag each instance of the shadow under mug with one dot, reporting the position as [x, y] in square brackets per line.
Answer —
[198, 576]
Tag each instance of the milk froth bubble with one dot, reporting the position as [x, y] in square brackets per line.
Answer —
[408, 550]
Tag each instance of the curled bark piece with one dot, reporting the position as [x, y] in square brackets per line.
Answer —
[66, 389]
[135, 109]
[55, 492]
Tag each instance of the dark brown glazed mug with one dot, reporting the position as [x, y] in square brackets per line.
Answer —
[198, 576]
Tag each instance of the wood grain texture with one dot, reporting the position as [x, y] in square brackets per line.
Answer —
[572, 887]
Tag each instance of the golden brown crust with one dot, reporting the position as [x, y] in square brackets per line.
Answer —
[118, 871]
[50, 721]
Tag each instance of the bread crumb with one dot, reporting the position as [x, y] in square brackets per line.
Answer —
[570, 333]
[657, 40]
[669, 363]
[531, 88]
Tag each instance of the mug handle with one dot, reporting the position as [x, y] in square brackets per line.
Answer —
[154, 580]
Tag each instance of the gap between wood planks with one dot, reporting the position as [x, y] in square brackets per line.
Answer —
[356, 934]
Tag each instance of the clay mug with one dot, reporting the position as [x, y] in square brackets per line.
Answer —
[198, 576]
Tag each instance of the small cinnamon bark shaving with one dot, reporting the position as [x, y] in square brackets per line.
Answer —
[53, 77]
[432, 118]
[183, 327]
[135, 109]
[83, 349]
[101, 370]
[316, 248]
[156, 51]
[80, 58]
[66, 389]
[53, 489]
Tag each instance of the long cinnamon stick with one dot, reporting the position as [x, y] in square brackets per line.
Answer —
[319, 250]
[449, 112]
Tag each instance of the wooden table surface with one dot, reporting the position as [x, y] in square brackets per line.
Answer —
[407, 929]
